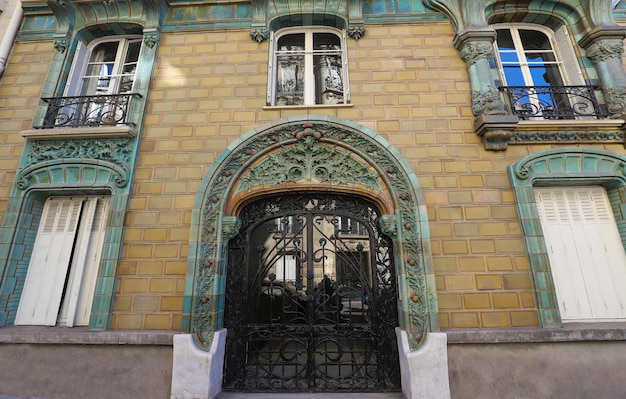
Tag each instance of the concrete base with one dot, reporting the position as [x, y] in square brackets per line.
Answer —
[425, 371]
[197, 374]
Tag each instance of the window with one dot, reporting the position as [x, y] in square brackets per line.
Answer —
[586, 253]
[309, 67]
[100, 84]
[540, 72]
[106, 67]
[63, 268]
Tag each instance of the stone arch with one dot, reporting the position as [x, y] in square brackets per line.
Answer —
[309, 152]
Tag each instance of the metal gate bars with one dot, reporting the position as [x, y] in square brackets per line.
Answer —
[311, 298]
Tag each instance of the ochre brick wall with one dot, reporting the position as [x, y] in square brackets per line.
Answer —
[407, 83]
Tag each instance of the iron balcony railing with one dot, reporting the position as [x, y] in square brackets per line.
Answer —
[554, 102]
[88, 111]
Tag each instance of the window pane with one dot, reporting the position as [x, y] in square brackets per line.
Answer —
[129, 67]
[328, 79]
[547, 75]
[326, 41]
[293, 42]
[290, 80]
[100, 68]
[513, 76]
[534, 40]
[504, 39]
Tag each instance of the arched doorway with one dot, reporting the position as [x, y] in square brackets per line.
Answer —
[312, 155]
[311, 298]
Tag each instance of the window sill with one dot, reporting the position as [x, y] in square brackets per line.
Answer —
[571, 124]
[79, 132]
[316, 106]
[570, 332]
[82, 336]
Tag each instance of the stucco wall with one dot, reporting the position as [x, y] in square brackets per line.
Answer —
[572, 370]
[85, 371]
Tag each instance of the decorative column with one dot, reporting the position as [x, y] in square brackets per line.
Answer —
[492, 122]
[605, 48]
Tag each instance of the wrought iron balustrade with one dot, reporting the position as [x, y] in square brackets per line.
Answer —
[88, 111]
[554, 102]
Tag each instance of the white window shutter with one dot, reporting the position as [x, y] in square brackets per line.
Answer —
[74, 80]
[586, 255]
[92, 260]
[45, 279]
[569, 61]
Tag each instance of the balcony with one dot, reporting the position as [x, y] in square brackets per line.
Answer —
[88, 111]
[554, 102]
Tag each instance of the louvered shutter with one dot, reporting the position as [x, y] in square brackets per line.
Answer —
[586, 254]
[52, 251]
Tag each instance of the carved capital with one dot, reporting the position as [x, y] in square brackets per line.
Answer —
[259, 34]
[487, 102]
[389, 225]
[603, 50]
[61, 45]
[356, 31]
[615, 98]
[230, 227]
[151, 38]
[473, 51]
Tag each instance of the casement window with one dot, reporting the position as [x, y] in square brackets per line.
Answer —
[541, 71]
[586, 253]
[308, 67]
[100, 83]
[61, 277]
[105, 67]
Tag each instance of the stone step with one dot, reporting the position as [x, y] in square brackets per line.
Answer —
[248, 395]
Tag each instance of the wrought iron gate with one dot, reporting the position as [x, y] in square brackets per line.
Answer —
[311, 298]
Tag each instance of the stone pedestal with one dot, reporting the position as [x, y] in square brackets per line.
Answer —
[197, 374]
[425, 371]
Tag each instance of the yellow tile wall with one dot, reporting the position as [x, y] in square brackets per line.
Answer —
[407, 83]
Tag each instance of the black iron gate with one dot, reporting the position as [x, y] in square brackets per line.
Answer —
[311, 298]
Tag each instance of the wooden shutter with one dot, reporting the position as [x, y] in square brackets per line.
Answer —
[586, 254]
[45, 279]
[76, 306]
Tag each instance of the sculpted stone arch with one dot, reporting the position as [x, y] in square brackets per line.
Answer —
[310, 152]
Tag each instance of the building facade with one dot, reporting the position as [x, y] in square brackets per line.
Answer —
[425, 196]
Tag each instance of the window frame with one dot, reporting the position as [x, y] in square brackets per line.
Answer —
[82, 59]
[561, 167]
[308, 52]
[70, 279]
[585, 251]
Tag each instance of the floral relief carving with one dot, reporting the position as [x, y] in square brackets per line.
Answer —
[117, 151]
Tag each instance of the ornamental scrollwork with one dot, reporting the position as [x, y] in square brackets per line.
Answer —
[117, 151]
[603, 50]
[472, 52]
[568, 136]
[309, 160]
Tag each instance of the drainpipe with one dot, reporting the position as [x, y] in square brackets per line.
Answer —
[9, 36]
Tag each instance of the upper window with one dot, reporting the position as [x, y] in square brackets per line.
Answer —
[308, 67]
[527, 58]
[540, 73]
[100, 86]
[63, 269]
